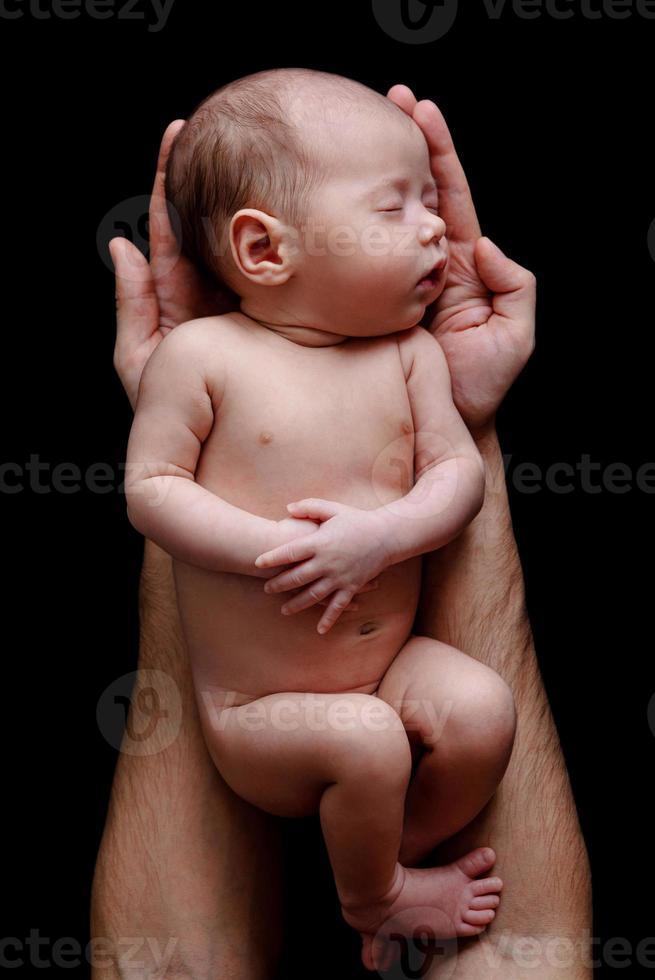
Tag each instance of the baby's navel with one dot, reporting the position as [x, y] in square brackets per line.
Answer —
[265, 437]
[367, 628]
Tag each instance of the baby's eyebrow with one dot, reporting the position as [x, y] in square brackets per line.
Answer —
[399, 183]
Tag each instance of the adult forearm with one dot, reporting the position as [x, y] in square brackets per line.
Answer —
[473, 594]
[198, 527]
[183, 861]
[473, 598]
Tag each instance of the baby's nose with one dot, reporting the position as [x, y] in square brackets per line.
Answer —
[432, 228]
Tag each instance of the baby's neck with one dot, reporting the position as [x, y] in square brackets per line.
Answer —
[299, 334]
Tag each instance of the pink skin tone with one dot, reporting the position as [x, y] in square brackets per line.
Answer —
[471, 307]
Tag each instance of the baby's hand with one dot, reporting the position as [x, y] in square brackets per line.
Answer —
[347, 551]
[290, 528]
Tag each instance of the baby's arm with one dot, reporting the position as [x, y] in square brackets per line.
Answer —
[181, 384]
[449, 472]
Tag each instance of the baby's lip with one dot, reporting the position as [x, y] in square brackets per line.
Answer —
[434, 271]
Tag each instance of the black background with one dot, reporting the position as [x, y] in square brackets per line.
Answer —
[553, 123]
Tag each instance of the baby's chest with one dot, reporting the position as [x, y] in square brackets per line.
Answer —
[348, 433]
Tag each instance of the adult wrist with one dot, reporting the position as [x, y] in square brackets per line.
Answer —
[484, 434]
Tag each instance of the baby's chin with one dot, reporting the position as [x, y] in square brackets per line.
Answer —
[429, 311]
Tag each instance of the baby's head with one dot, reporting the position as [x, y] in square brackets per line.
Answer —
[311, 197]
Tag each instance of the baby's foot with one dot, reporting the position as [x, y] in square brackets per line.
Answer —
[443, 902]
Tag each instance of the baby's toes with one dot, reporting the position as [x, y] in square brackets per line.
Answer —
[467, 930]
[485, 902]
[476, 862]
[482, 918]
[486, 885]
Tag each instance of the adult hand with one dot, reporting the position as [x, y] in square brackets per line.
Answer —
[153, 297]
[484, 318]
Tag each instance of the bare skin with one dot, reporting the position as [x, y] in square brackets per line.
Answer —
[235, 417]
[141, 301]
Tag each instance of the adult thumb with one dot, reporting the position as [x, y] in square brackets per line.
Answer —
[513, 286]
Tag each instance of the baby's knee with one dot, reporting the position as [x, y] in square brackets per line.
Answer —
[484, 712]
[378, 746]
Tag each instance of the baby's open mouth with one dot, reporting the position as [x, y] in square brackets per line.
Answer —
[430, 280]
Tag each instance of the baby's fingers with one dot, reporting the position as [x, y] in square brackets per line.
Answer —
[351, 607]
[369, 586]
[308, 597]
[337, 605]
[296, 550]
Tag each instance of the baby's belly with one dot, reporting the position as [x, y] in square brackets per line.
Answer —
[241, 646]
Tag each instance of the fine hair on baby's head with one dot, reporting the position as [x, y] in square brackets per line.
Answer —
[256, 143]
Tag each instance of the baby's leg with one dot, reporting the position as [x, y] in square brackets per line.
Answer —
[460, 720]
[347, 756]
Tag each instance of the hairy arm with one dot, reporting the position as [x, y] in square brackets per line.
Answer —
[183, 861]
[180, 391]
[449, 474]
[473, 598]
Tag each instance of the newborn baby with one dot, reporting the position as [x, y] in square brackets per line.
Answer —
[307, 449]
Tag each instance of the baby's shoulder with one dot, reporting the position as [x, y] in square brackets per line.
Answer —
[416, 342]
[202, 336]
[203, 328]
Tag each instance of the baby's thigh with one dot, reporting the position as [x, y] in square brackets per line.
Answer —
[443, 695]
[279, 752]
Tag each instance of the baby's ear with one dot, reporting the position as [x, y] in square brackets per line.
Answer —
[261, 247]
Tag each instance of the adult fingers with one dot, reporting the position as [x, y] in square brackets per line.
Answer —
[514, 290]
[137, 312]
[456, 204]
[403, 97]
[163, 244]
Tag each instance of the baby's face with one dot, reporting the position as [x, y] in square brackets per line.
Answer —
[374, 232]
